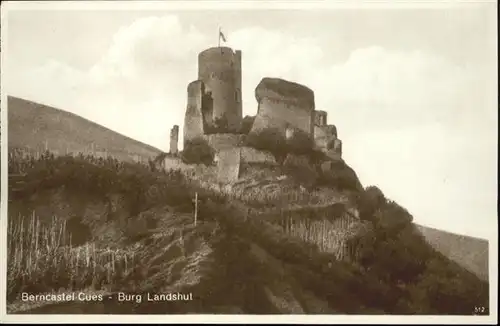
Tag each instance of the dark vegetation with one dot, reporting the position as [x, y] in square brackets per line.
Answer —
[53, 263]
[309, 173]
[398, 254]
[198, 151]
[246, 124]
[394, 272]
[220, 125]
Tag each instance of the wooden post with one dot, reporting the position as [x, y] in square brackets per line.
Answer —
[195, 208]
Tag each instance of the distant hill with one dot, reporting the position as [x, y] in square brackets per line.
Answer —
[469, 252]
[37, 127]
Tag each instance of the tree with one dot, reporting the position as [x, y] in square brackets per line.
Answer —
[369, 201]
[198, 151]
[246, 124]
[300, 143]
[221, 124]
[271, 140]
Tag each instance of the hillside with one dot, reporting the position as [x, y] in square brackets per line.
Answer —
[469, 252]
[102, 227]
[37, 127]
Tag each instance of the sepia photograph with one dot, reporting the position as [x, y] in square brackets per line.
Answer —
[233, 161]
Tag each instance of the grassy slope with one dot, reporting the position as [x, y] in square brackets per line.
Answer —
[269, 272]
[34, 125]
[469, 252]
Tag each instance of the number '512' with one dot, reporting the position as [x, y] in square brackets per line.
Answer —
[479, 310]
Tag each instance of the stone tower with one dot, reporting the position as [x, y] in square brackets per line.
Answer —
[219, 68]
[174, 139]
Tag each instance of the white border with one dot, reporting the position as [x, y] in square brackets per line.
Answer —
[180, 319]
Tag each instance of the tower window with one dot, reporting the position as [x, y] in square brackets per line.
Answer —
[237, 95]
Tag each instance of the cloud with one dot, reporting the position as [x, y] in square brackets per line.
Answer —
[154, 58]
[148, 47]
[137, 87]
[276, 54]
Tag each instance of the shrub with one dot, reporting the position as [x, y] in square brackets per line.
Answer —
[198, 151]
[340, 177]
[392, 216]
[369, 201]
[99, 177]
[271, 140]
[301, 143]
[303, 175]
[246, 124]
[221, 124]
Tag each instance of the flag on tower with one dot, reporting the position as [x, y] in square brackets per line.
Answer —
[222, 36]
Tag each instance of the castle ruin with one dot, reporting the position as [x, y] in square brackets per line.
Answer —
[214, 107]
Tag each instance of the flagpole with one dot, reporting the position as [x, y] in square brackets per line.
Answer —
[218, 38]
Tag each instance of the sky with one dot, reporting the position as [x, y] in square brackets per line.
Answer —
[413, 91]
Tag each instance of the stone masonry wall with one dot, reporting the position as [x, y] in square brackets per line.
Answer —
[193, 119]
[228, 164]
[224, 141]
[220, 69]
[283, 104]
[174, 139]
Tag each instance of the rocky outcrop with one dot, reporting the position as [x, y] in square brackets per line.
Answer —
[283, 104]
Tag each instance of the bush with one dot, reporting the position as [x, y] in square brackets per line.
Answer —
[99, 177]
[392, 216]
[271, 140]
[198, 151]
[305, 174]
[341, 177]
[301, 143]
[369, 201]
[246, 124]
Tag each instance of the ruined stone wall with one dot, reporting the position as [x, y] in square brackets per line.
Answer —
[175, 163]
[220, 69]
[174, 140]
[238, 84]
[324, 136]
[320, 118]
[336, 147]
[228, 165]
[283, 104]
[193, 119]
[251, 155]
[224, 141]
